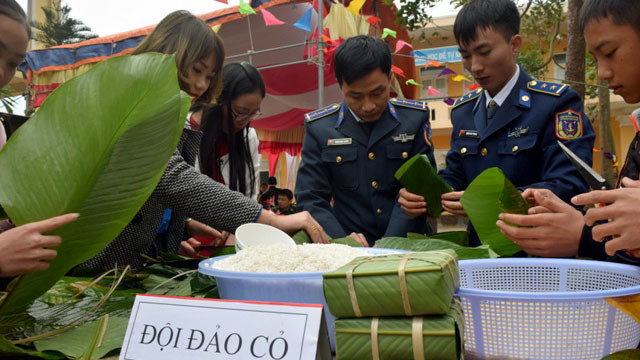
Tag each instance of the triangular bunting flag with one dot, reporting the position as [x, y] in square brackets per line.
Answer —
[449, 101]
[373, 21]
[355, 6]
[460, 78]
[216, 28]
[413, 82]
[433, 63]
[245, 8]
[388, 32]
[396, 70]
[270, 19]
[473, 87]
[446, 71]
[432, 91]
[400, 44]
[304, 22]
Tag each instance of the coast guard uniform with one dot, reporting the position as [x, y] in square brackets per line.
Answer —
[520, 137]
[341, 160]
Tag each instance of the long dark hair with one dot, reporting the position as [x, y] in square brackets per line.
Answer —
[237, 79]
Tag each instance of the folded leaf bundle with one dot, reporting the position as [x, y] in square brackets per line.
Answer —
[488, 195]
[419, 177]
[418, 283]
[98, 146]
[429, 337]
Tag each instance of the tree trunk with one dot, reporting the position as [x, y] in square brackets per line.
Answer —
[607, 146]
[574, 72]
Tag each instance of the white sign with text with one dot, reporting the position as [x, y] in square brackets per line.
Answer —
[162, 327]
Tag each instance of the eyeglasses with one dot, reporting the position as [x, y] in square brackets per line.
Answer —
[241, 116]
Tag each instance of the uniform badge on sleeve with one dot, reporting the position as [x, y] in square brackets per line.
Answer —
[426, 130]
[569, 125]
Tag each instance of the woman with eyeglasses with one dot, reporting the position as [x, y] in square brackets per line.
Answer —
[229, 148]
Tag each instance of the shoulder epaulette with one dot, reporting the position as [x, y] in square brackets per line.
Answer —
[320, 113]
[547, 87]
[470, 96]
[413, 104]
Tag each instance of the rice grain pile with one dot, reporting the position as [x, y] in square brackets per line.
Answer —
[286, 258]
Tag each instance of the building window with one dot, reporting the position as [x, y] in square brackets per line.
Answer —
[430, 77]
[558, 71]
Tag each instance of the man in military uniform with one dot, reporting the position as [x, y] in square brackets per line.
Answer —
[612, 35]
[352, 150]
[513, 122]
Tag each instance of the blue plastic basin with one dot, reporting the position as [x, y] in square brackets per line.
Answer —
[301, 287]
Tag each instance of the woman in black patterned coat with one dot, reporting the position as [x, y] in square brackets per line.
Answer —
[199, 57]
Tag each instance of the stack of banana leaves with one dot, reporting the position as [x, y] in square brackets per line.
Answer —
[85, 317]
[397, 306]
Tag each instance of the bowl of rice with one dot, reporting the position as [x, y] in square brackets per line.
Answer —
[282, 273]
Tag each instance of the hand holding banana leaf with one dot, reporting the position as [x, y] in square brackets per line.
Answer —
[552, 228]
[423, 187]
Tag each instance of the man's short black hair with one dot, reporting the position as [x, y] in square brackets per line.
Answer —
[273, 180]
[620, 12]
[287, 193]
[501, 15]
[359, 56]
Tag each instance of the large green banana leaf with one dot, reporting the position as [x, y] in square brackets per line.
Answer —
[98, 147]
[419, 177]
[92, 340]
[488, 195]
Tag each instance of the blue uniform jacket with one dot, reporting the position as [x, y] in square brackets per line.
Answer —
[521, 139]
[340, 161]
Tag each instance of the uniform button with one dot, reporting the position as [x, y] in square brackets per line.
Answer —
[405, 155]
[484, 151]
[338, 159]
[372, 156]
[463, 150]
[379, 211]
[374, 184]
[515, 148]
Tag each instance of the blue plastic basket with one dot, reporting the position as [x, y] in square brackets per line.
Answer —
[546, 308]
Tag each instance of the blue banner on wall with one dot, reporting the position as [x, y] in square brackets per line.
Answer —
[446, 54]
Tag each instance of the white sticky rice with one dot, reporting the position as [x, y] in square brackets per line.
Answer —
[287, 258]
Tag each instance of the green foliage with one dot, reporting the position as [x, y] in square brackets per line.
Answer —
[108, 165]
[6, 101]
[66, 317]
[412, 14]
[60, 28]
